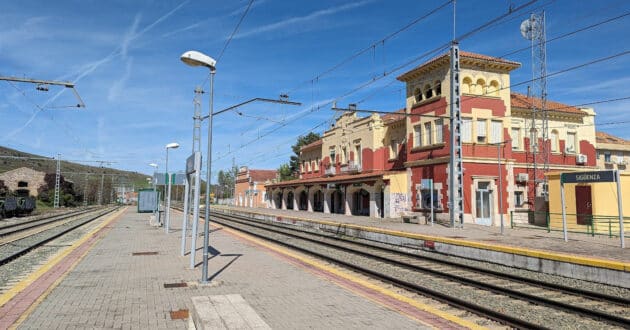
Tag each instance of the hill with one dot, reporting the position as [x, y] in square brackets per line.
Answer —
[73, 172]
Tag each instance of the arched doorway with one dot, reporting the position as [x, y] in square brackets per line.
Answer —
[336, 201]
[278, 200]
[303, 201]
[361, 202]
[290, 198]
[318, 201]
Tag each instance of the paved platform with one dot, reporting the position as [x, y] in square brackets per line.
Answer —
[107, 286]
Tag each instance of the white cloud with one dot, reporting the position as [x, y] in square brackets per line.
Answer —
[119, 85]
[300, 19]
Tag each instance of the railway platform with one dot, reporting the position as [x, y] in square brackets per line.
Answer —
[598, 259]
[130, 275]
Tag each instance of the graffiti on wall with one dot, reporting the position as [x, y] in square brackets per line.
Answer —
[399, 203]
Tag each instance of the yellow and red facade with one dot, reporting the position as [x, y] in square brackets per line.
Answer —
[378, 162]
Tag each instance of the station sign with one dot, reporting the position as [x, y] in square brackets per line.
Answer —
[177, 179]
[193, 163]
[586, 177]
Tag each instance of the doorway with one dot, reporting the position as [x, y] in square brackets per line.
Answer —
[583, 205]
[482, 203]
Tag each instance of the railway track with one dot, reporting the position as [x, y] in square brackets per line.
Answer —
[16, 240]
[509, 299]
[20, 226]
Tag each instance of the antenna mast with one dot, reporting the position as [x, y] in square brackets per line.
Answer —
[533, 29]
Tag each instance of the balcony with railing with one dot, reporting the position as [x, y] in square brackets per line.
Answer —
[330, 171]
[350, 167]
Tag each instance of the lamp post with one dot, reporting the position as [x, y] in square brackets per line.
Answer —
[172, 145]
[195, 58]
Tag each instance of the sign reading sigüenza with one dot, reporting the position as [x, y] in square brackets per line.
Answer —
[595, 176]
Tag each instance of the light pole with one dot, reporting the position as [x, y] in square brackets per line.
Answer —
[172, 145]
[195, 58]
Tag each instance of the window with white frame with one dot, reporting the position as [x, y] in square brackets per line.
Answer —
[516, 138]
[607, 157]
[497, 131]
[620, 157]
[466, 130]
[481, 131]
[393, 149]
[332, 155]
[570, 143]
[357, 153]
[417, 136]
[439, 131]
[554, 141]
[428, 140]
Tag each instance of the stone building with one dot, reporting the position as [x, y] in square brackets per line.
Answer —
[23, 178]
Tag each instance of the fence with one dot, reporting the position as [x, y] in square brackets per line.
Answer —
[589, 224]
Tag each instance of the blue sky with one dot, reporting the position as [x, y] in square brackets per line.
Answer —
[124, 58]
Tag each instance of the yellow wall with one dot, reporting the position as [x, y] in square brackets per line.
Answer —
[603, 197]
[397, 182]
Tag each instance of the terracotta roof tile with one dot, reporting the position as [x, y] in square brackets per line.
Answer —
[331, 179]
[262, 175]
[524, 102]
[392, 117]
[607, 138]
[462, 55]
[312, 144]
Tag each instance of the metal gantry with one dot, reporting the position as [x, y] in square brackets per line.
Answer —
[456, 169]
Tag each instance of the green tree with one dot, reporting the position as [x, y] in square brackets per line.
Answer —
[285, 173]
[226, 180]
[294, 163]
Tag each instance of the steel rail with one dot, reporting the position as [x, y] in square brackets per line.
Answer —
[463, 280]
[26, 249]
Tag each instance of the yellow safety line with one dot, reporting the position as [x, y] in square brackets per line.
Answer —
[586, 261]
[359, 281]
[7, 296]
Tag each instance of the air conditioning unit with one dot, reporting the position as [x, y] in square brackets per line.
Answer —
[522, 177]
[621, 162]
[581, 159]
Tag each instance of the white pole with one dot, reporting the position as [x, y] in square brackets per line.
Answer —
[620, 206]
[185, 219]
[431, 193]
[168, 196]
[500, 189]
[564, 212]
[195, 218]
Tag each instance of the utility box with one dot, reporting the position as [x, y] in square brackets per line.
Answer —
[148, 200]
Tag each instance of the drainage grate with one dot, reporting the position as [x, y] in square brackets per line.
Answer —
[175, 285]
[179, 315]
[151, 253]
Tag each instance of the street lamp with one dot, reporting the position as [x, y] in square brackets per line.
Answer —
[195, 58]
[172, 145]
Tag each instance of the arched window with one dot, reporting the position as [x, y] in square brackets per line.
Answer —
[428, 92]
[438, 88]
[417, 93]
[467, 84]
[480, 87]
[494, 88]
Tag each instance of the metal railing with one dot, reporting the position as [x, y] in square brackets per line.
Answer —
[589, 224]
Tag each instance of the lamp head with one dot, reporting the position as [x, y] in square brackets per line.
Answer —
[195, 58]
[153, 165]
[172, 145]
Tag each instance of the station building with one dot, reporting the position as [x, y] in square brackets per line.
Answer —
[374, 165]
[250, 189]
[613, 153]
